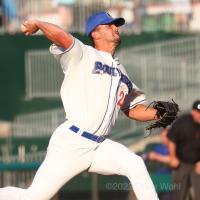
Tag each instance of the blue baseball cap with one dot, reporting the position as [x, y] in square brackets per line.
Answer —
[101, 18]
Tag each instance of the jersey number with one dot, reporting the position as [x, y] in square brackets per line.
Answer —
[121, 99]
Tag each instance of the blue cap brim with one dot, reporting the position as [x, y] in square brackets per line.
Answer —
[117, 21]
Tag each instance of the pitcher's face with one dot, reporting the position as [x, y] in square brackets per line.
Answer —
[109, 32]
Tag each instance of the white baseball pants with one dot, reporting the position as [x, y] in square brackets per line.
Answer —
[69, 154]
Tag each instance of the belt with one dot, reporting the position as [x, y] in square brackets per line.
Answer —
[87, 135]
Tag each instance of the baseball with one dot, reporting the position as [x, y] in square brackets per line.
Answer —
[23, 28]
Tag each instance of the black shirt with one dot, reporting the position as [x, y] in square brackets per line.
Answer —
[185, 133]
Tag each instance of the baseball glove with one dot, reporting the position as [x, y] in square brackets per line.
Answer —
[166, 113]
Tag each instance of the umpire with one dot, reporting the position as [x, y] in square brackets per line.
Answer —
[184, 149]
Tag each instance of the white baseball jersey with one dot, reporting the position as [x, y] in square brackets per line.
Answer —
[94, 88]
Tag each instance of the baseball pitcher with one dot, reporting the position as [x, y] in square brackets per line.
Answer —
[95, 87]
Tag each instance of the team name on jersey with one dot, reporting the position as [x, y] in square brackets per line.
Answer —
[100, 68]
[124, 79]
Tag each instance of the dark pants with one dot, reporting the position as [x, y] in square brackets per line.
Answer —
[185, 177]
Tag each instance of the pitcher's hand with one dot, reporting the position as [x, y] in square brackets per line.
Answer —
[29, 27]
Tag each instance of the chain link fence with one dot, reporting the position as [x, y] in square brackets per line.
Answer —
[167, 69]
